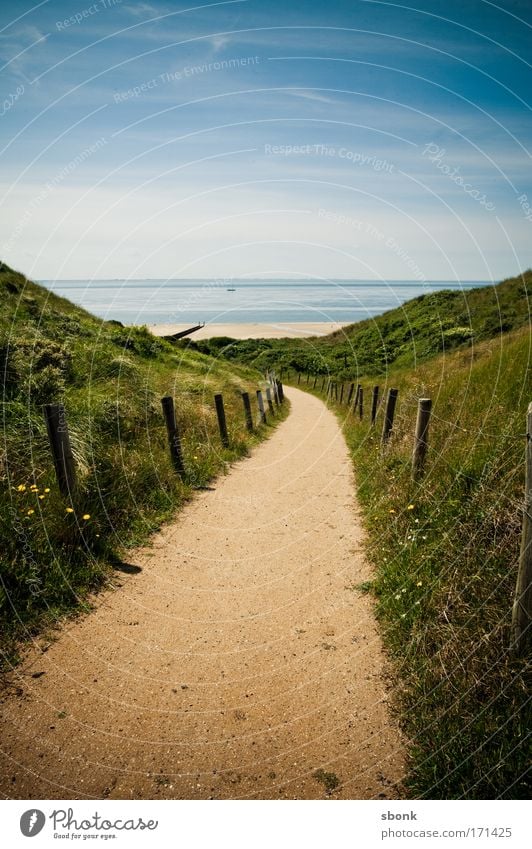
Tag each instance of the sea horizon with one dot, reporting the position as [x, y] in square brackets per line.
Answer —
[150, 301]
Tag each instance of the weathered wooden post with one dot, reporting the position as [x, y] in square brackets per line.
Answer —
[374, 404]
[315, 379]
[341, 393]
[247, 411]
[355, 402]
[174, 441]
[361, 402]
[281, 392]
[269, 400]
[308, 378]
[63, 458]
[351, 390]
[322, 384]
[260, 404]
[222, 424]
[421, 439]
[276, 393]
[389, 414]
[299, 378]
[522, 608]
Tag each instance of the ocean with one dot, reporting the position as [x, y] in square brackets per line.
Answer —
[243, 301]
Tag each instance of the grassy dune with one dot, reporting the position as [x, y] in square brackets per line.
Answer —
[410, 334]
[110, 380]
[445, 551]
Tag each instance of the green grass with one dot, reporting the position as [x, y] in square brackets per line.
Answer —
[445, 551]
[110, 379]
[406, 336]
[329, 780]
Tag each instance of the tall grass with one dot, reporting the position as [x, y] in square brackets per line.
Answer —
[110, 380]
[445, 550]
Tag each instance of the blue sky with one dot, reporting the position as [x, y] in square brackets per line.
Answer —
[367, 140]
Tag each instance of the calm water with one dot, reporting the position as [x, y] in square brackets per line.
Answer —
[269, 301]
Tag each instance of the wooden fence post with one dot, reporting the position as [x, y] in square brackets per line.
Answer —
[341, 393]
[351, 390]
[421, 440]
[299, 378]
[222, 424]
[374, 404]
[275, 387]
[361, 402]
[522, 608]
[355, 403]
[260, 404]
[174, 441]
[323, 383]
[315, 379]
[389, 414]
[269, 400]
[247, 411]
[281, 392]
[57, 427]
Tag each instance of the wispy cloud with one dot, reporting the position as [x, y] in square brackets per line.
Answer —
[139, 10]
[16, 47]
[219, 42]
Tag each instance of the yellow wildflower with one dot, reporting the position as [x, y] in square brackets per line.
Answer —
[47, 489]
[30, 512]
[41, 497]
[21, 487]
[86, 516]
[419, 584]
[69, 510]
[410, 506]
[392, 510]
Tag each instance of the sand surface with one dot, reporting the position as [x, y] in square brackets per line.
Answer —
[251, 331]
[237, 663]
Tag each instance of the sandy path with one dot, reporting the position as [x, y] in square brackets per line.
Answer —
[237, 663]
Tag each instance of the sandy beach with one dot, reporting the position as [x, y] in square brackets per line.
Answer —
[252, 331]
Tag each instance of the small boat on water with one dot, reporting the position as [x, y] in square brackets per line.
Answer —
[231, 290]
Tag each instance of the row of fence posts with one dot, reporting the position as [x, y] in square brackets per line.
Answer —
[65, 469]
[421, 435]
[522, 605]
[61, 449]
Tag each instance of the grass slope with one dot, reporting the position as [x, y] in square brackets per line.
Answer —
[445, 551]
[111, 380]
[412, 333]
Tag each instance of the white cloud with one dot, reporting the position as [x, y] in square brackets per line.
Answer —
[142, 10]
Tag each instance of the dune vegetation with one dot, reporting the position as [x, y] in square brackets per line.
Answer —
[445, 549]
[110, 379]
[418, 330]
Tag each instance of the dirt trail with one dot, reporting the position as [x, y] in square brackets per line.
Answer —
[238, 663]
